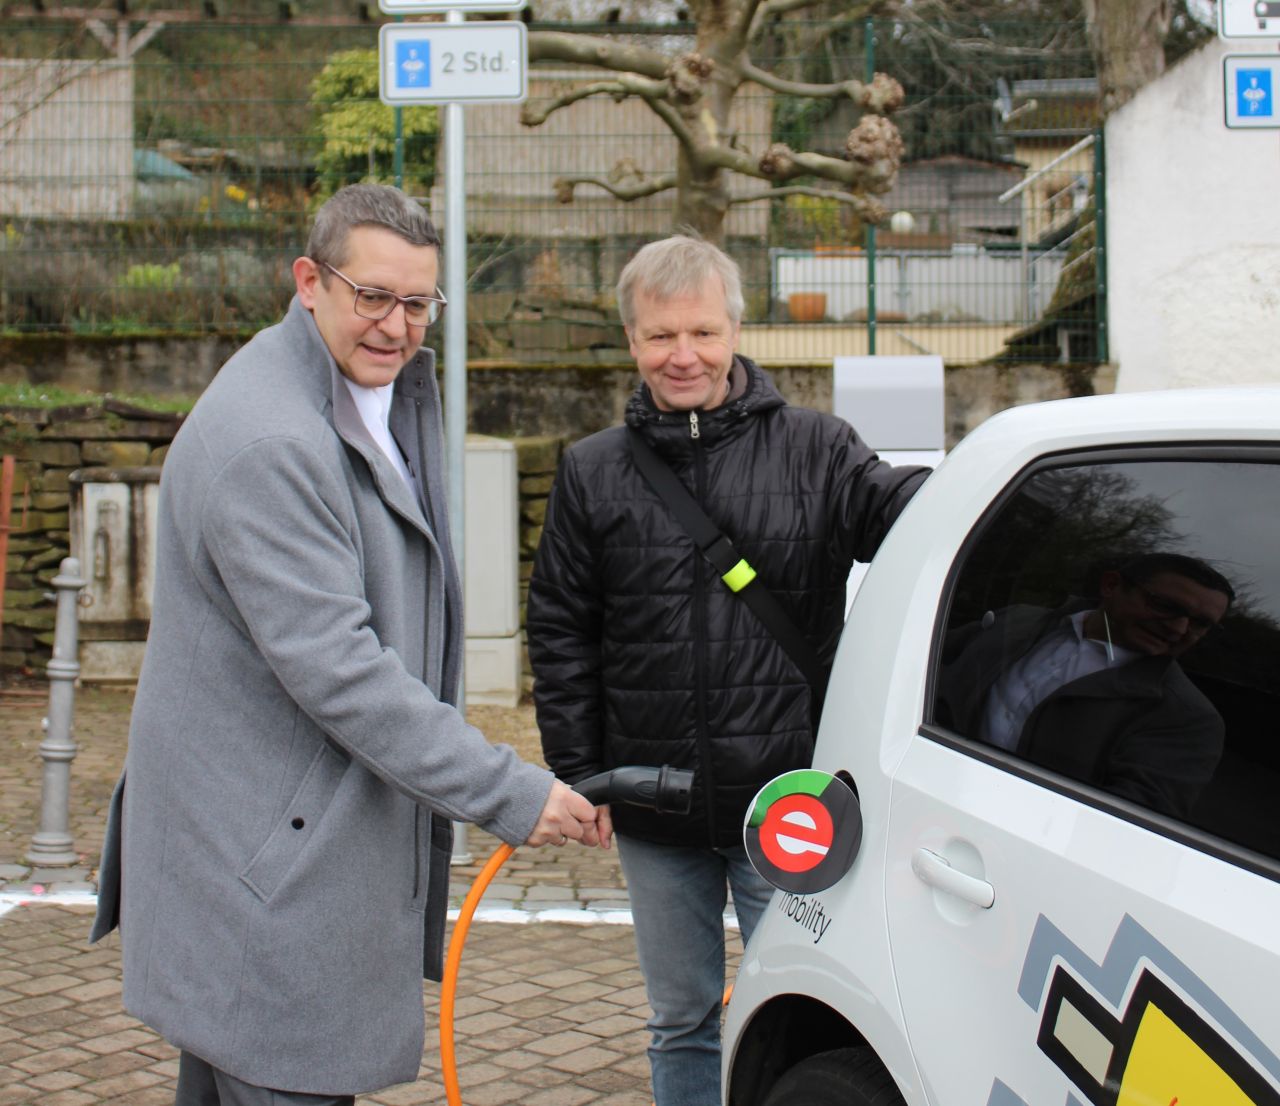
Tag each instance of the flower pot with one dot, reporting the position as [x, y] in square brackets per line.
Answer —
[807, 307]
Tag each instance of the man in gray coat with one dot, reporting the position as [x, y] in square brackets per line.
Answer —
[277, 850]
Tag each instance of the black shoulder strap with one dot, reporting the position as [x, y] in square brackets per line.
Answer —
[739, 577]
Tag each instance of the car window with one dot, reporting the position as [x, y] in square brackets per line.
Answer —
[1115, 622]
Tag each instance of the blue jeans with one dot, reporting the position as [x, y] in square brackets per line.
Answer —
[677, 901]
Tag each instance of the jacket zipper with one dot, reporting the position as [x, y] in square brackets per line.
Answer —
[700, 641]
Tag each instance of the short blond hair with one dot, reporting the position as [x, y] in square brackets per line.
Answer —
[678, 266]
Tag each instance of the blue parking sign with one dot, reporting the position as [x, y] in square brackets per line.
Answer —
[1253, 94]
[413, 63]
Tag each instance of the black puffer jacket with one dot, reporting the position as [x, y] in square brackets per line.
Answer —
[642, 655]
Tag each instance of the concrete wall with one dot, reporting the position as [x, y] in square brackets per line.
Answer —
[1193, 221]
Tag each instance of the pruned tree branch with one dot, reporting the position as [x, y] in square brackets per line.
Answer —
[855, 13]
[534, 113]
[635, 188]
[883, 95]
[867, 209]
[600, 52]
[873, 148]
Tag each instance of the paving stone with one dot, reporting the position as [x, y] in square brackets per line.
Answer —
[549, 894]
[583, 1060]
[69, 1098]
[56, 1081]
[128, 1083]
[54, 875]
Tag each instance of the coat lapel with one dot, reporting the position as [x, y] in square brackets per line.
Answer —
[395, 493]
[415, 425]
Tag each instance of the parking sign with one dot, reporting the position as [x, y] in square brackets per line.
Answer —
[435, 63]
[1250, 82]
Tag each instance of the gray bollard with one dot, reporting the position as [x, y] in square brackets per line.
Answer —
[52, 846]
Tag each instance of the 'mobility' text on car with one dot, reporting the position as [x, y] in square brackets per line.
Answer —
[1057, 699]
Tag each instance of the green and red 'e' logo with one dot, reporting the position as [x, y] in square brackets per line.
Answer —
[803, 830]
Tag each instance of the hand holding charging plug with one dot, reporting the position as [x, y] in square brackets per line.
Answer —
[566, 816]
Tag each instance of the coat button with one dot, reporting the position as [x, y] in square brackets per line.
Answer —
[298, 823]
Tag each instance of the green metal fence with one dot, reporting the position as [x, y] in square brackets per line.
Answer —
[156, 174]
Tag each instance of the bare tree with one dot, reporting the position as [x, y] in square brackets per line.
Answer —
[1128, 41]
[692, 91]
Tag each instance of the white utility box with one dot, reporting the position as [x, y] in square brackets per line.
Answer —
[492, 587]
[113, 533]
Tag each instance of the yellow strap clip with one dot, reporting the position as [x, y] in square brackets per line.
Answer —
[739, 576]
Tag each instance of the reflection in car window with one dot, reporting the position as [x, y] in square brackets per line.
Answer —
[1119, 624]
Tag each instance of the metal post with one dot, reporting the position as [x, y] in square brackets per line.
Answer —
[1103, 352]
[869, 42]
[6, 506]
[52, 844]
[397, 156]
[455, 363]
[397, 149]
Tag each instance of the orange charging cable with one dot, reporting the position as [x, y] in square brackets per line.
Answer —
[449, 985]
[664, 789]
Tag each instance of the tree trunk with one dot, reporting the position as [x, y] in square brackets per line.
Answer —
[1127, 37]
[702, 201]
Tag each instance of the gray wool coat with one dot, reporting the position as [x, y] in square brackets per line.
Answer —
[277, 847]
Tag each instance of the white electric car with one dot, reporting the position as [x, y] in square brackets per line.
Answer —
[1061, 897]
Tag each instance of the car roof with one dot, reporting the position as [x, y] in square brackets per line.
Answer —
[1182, 414]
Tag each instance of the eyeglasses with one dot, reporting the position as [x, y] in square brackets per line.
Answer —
[1167, 609]
[378, 303]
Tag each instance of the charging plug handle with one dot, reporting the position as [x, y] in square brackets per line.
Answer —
[666, 790]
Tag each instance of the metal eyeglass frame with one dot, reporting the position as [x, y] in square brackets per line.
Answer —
[356, 289]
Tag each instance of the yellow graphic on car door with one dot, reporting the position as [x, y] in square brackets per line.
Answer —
[1158, 1052]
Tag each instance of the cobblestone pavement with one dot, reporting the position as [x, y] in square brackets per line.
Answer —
[548, 1014]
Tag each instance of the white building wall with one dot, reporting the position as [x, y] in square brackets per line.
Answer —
[1193, 229]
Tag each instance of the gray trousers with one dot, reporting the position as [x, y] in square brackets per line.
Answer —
[201, 1084]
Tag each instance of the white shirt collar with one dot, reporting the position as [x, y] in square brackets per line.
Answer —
[374, 405]
[1117, 654]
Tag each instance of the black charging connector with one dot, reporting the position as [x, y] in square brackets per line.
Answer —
[666, 790]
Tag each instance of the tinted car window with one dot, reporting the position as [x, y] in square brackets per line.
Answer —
[1116, 621]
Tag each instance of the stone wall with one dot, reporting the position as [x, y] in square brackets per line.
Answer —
[50, 445]
[542, 407]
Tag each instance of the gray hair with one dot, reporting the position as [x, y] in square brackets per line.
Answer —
[678, 266]
[367, 205]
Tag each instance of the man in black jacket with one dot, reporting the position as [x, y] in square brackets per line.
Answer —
[643, 655]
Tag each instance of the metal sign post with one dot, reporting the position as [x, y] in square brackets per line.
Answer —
[453, 63]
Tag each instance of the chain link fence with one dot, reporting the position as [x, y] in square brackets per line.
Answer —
[157, 174]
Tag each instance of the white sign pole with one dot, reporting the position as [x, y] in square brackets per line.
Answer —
[450, 64]
[455, 361]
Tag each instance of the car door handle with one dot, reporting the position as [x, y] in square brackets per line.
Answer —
[937, 872]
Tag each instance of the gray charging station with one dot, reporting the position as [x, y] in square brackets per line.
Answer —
[897, 405]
